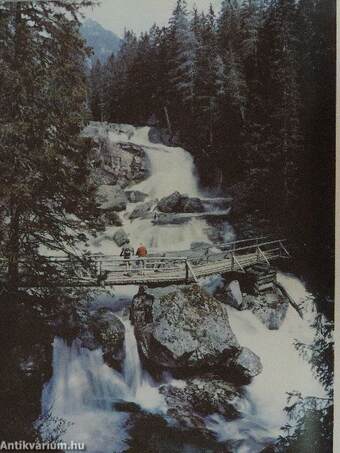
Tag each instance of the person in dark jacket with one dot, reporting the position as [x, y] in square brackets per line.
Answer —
[127, 252]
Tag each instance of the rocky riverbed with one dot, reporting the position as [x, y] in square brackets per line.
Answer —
[189, 364]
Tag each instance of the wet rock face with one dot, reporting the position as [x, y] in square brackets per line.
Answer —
[111, 218]
[177, 202]
[245, 366]
[120, 237]
[183, 329]
[198, 398]
[271, 308]
[115, 163]
[104, 330]
[111, 198]
[231, 294]
[141, 210]
[234, 294]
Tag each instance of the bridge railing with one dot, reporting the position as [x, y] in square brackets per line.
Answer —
[241, 248]
[239, 254]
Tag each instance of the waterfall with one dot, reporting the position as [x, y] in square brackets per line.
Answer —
[172, 169]
[284, 370]
[83, 389]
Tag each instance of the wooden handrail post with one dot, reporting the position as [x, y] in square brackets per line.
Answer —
[232, 261]
[284, 249]
[186, 271]
[264, 256]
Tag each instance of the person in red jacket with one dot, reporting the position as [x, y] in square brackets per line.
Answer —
[142, 253]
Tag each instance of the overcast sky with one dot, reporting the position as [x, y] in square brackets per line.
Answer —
[139, 15]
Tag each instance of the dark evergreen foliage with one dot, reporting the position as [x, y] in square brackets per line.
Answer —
[251, 93]
[43, 161]
[311, 418]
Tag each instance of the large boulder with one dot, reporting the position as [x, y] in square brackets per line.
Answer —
[170, 203]
[114, 162]
[141, 210]
[230, 294]
[120, 237]
[177, 202]
[183, 329]
[245, 366]
[111, 218]
[188, 405]
[191, 205]
[234, 288]
[270, 307]
[111, 198]
[104, 330]
[234, 294]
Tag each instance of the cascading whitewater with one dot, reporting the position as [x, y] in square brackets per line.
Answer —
[284, 371]
[83, 388]
[83, 391]
[172, 169]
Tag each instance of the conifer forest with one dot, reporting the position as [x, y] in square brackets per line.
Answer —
[167, 226]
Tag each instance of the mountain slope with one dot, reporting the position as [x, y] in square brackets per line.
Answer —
[103, 42]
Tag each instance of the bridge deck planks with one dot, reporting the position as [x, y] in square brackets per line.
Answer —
[165, 270]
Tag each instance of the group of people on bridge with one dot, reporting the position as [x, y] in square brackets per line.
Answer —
[128, 252]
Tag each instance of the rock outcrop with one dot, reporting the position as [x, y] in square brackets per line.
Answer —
[177, 202]
[198, 398]
[115, 163]
[233, 295]
[271, 307]
[120, 237]
[104, 330]
[183, 329]
[111, 218]
[111, 198]
[245, 366]
[141, 210]
[230, 293]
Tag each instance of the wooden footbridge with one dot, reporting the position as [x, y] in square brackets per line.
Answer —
[165, 269]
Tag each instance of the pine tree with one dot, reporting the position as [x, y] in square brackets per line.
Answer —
[284, 96]
[233, 91]
[251, 14]
[43, 164]
[206, 76]
[183, 60]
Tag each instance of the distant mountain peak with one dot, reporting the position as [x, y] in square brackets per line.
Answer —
[103, 42]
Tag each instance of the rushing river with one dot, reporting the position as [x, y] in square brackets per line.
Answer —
[84, 390]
